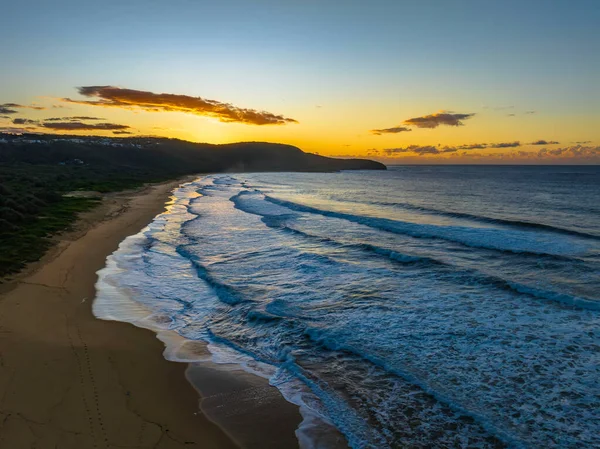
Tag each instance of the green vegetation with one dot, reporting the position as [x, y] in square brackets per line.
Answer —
[33, 206]
[36, 171]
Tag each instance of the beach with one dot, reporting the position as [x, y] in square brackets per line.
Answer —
[69, 380]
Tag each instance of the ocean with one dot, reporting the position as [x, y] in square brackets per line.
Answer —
[422, 306]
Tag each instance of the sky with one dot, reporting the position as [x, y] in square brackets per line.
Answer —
[430, 81]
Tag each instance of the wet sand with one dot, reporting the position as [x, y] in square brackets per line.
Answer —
[69, 380]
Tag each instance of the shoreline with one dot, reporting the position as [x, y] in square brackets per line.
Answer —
[70, 380]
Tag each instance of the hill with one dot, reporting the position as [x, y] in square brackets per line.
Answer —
[173, 155]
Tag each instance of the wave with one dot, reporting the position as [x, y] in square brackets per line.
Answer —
[492, 239]
[226, 293]
[459, 273]
[320, 338]
[484, 219]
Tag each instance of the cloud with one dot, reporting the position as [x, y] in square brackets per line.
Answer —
[437, 119]
[122, 132]
[13, 129]
[510, 115]
[110, 96]
[6, 110]
[418, 149]
[573, 152]
[394, 130]
[80, 126]
[19, 106]
[530, 112]
[472, 146]
[583, 142]
[423, 150]
[75, 118]
[505, 144]
[24, 121]
[544, 142]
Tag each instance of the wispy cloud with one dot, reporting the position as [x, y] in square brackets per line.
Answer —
[110, 96]
[417, 149]
[578, 151]
[74, 118]
[472, 146]
[425, 150]
[576, 154]
[19, 106]
[122, 132]
[394, 130]
[437, 119]
[80, 126]
[530, 112]
[14, 129]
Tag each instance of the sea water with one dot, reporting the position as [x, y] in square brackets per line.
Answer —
[416, 307]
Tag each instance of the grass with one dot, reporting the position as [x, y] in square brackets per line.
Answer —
[32, 239]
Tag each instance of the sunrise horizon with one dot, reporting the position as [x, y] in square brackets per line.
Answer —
[399, 83]
[49, 116]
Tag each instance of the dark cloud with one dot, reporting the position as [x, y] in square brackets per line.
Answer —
[530, 112]
[510, 115]
[80, 126]
[583, 142]
[12, 129]
[110, 96]
[122, 132]
[418, 149]
[24, 121]
[394, 130]
[437, 119]
[7, 110]
[505, 144]
[83, 117]
[75, 118]
[544, 142]
[472, 146]
[19, 106]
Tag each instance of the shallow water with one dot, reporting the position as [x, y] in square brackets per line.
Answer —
[421, 307]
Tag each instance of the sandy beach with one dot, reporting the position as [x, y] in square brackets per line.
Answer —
[69, 380]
